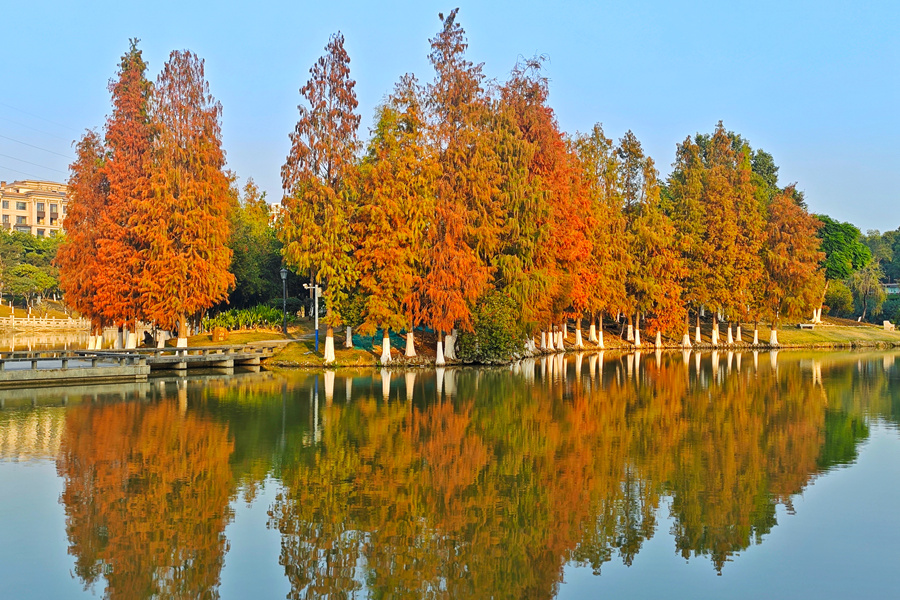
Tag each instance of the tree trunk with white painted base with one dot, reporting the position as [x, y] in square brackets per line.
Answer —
[348, 337]
[737, 337]
[450, 346]
[578, 342]
[729, 337]
[658, 343]
[560, 346]
[629, 337]
[773, 337]
[329, 345]
[592, 332]
[565, 330]
[543, 340]
[410, 344]
[131, 337]
[182, 332]
[755, 336]
[386, 347]
[715, 331]
[551, 343]
[439, 358]
[637, 337]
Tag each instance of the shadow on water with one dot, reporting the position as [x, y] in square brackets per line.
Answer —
[447, 482]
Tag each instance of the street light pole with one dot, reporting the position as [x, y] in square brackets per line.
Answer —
[284, 273]
[315, 289]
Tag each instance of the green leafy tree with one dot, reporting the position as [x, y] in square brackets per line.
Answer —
[256, 251]
[844, 249]
[868, 292]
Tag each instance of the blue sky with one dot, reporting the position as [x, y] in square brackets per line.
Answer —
[815, 83]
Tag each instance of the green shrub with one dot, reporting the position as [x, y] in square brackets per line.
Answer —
[245, 318]
[497, 332]
[839, 300]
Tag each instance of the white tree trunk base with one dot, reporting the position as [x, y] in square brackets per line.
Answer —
[715, 336]
[120, 341]
[439, 359]
[550, 345]
[773, 338]
[737, 338]
[592, 333]
[756, 337]
[565, 331]
[637, 337]
[729, 337]
[348, 338]
[697, 337]
[578, 342]
[600, 343]
[658, 343]
[629, 336]
[449, 347]
[329, 349]
[410, 344]
[543, 340]
[560, 345]
[385, 350]
[686, 340]
[131, 340]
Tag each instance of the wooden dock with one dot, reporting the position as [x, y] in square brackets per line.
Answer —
[43, 368]
[200, 357]
[60, 367]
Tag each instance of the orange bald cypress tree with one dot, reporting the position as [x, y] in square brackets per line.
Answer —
[128, 139]
[182, 224]
[466, 226]
[792, 282]
[77, 257]
[610, 259]
[319, 178]
[396, 200]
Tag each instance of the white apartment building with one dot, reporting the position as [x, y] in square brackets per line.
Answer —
[35, 207]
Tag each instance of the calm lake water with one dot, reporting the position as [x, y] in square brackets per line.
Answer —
[619, 476]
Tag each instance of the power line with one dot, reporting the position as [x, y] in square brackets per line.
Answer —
[31, 163]
[18, 171]
[59, 137]
[36, 116]
[37, 147]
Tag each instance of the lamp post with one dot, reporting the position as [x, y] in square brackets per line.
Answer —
[315, 289]
[284, 300]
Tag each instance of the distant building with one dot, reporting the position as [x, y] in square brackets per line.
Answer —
[891, 288]
[275, 212]
[35, 207]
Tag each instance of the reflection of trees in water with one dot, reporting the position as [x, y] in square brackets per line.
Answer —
[485, 485]
[146, 496]
[491, 492]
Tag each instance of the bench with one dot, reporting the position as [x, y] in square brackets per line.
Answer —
[806, 325]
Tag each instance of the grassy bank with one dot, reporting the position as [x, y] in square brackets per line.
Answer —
[300, 351]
